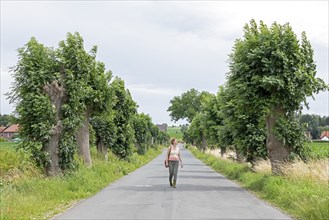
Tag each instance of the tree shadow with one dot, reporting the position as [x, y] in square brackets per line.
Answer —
[189, 177]
[196, 171]
[180, 187]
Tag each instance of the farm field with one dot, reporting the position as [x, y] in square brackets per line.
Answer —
[175, 132]
[319, 149]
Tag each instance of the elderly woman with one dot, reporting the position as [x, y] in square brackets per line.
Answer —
[173, 158]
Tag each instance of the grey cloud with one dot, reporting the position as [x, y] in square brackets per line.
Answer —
[176, 45]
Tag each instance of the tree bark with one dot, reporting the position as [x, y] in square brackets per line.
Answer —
[52, 148]
[204, 142]
[239, 157]
[101, 148]
[56, 93]
[222, 152]
[277, 151]
[83, 139]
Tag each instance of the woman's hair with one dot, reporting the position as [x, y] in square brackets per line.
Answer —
[172, 140]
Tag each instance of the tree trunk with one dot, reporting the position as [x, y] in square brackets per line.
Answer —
[239, 157]
[101, 148]
[83, 139]
[139, 148]
[56, 93]
[223, 152]
[52, 148]
[204, 143]
[277, 151]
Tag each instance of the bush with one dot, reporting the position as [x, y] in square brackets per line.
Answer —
[2, 139]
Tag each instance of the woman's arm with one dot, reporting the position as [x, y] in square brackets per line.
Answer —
[180, 159]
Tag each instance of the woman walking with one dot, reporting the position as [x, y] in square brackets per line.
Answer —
[173, 158]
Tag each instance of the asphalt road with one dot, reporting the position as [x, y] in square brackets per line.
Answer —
[201, 193]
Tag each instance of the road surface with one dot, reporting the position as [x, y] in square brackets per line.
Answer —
[201, 193]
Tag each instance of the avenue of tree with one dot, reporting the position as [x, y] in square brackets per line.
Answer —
[62, 95]
[258, 108]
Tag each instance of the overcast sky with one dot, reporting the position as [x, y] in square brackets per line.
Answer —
[160, 49]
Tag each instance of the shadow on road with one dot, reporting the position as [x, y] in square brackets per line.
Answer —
[190, 177]
[180, 187]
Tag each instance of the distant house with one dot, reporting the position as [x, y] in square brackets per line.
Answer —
[162, 127]
[9, 131]
[324, 136]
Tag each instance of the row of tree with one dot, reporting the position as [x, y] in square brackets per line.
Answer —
[61, 94]
[6, 120]
[271, 74]
[315, 124]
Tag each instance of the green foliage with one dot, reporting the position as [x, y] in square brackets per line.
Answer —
[243, 125]
[15, 163]
[2, 139]
[36, 67]
[289, 131]
[124, 110]
[187, 106]
[142, 125]
[163, 138]
[6, 120]
[315, 124]
[301, 198]
[146, 133]
[86, 86]
[105, 129]
[83, 81]
[196, 130]
[270, 70]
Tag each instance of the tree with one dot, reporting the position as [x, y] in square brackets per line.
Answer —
[105, 132]
[92, 80]
[274, 74]
[163, 138]
[142, 125]
[231, 124]
[124, 109]
[54, 88]
[214, 123]
[6, 120]
[312, 124]
[187, 106]
[39, 91]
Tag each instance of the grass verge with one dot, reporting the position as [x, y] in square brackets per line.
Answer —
[33, 196]
[301, 198]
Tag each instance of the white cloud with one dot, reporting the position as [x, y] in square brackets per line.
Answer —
[6, 82]
[152, 90]
[160, 49]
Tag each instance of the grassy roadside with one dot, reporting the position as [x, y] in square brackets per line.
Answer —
[27, 194]
[302, 198]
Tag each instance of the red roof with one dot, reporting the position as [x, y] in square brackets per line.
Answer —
[2, 128]
[11, 129]
[324, 134]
